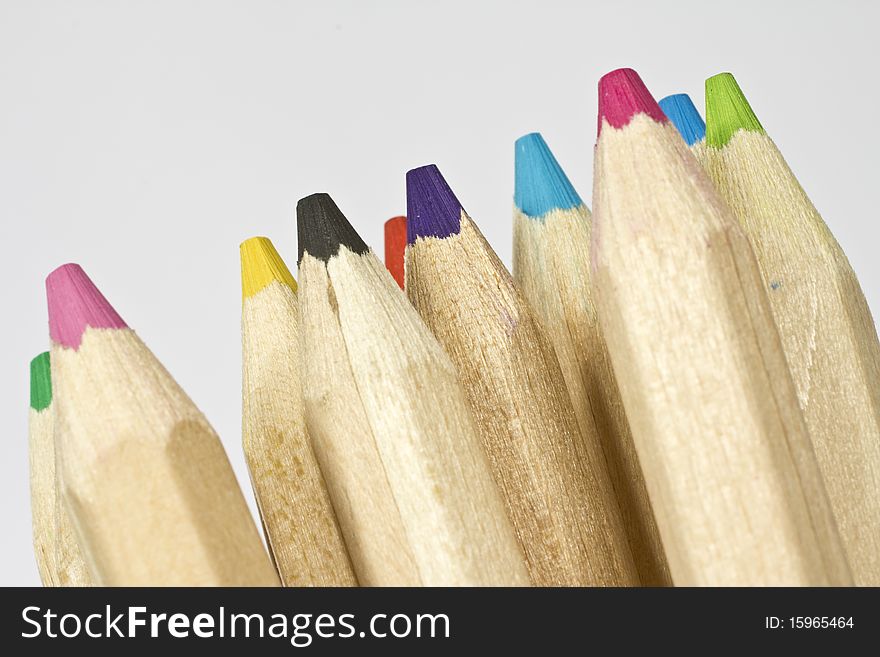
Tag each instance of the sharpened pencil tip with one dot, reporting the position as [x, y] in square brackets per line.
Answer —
[395, 223]
[395, 248]
[74, 304]
[322, 229]
[622, 95]
[727, 110]
[432, 210]
[540, 183]
[260, 265]
[41, 382]
[685, 117]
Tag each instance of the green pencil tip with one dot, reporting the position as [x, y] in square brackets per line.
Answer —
[41, 382]
[727, 110]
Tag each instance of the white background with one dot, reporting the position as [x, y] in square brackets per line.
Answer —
[145, 140]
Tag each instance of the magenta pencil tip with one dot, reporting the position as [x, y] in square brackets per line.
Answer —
[75, 303]
[622, 95]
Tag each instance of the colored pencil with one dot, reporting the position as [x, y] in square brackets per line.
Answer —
[390, 423]
[827, 330]
[150, 491]
[732, 477]
[298, 519]
[680, 109]
[395, 244]
[59, 559]
[551, 263]
[553, 477]
[41, 457]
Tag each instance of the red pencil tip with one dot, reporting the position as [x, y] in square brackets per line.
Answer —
[74, 304]
[395, 247]
[622, 95]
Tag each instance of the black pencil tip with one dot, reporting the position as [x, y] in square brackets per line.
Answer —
[321, 228]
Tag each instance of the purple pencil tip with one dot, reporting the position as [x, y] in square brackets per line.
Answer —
[432, 210]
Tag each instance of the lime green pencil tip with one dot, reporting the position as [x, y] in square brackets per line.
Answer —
[727, 110]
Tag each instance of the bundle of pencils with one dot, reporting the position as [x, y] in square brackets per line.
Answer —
[726, 456]
[680, 388]
[392, 425]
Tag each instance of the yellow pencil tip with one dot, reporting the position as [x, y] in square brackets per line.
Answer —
[260, 265]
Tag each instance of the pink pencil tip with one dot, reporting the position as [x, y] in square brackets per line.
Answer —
[75, 303]
[622, 95]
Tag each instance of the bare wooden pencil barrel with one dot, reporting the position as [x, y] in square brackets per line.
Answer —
[59, 556]
[826, 326]
[41, 459]
[301, 530]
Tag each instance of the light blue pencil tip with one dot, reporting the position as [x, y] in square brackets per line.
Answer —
[541, 184]
[684, 115]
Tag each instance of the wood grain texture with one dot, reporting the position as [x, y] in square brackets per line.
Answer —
[551, 263]
[394, 436]
[553, 478]
[826, 327]
[298, 518]
[71, 564]
[731, 472]
[41, 460]
[151, 494]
